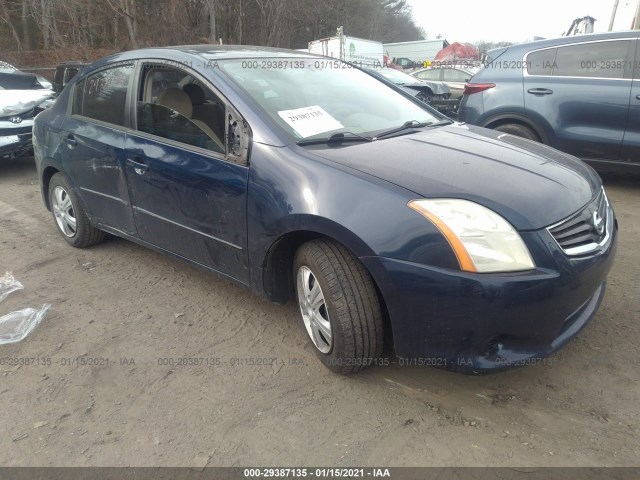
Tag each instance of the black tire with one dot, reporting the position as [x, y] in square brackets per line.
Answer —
[518, 130]
[84, 234]
[351, 304]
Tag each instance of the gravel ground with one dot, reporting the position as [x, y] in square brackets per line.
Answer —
[132, 314]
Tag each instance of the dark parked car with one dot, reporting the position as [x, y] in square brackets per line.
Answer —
[436, 94]
[278, 171]
[579, 94]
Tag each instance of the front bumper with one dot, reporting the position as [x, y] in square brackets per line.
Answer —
[15, 139]
[477, 323]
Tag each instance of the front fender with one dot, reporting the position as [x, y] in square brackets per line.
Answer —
[291, 190]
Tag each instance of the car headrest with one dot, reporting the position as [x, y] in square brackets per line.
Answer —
[176, 99]
[195, 92]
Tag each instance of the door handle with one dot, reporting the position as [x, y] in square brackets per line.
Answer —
[540, 91]
[138, 165]
[637, 97]
[71, 141]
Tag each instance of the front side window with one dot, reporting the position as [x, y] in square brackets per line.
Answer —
[176, 106]
[317, 97]
[597, 59]
[105, 95]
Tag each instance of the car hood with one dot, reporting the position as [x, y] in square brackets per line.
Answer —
[438, 88]
[15, 102]
[529, 184]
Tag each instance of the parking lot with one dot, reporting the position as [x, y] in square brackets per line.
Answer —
[143, 360]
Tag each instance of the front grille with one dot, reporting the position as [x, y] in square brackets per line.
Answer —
[587, 230]
[15, 131]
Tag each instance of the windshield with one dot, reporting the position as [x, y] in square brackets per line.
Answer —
[318, 98]
[398, 77]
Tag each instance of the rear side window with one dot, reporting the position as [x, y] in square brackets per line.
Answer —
[588, 60]
[452, 75]
[78, 94]
[105, 95]
[541, 62]
[429, 75]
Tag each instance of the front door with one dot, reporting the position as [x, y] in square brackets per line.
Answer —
[188, 191]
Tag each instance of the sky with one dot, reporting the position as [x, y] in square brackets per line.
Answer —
[514, 20]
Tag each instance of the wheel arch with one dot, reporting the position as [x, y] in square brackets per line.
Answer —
[47, 175]
[277, 266]
[517, 118]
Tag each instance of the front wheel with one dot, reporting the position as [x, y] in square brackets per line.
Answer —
[339, 305]
[70, 219]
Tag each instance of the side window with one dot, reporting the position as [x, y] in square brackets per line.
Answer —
[429, 75]
[105, 95]
[598, 59]
[176, 106]
[541, 62]
[78, 94]
[453, 75]
[69, 74]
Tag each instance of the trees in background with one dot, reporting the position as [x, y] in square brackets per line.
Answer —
[85, 25]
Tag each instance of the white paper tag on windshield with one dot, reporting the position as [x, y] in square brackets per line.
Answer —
[309, 121]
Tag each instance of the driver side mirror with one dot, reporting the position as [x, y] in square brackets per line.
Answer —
[237, 137]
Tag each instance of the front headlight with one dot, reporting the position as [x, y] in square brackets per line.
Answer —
[482, 240]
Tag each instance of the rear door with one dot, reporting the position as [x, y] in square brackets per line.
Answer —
[631, 143]
[580, 92]
[93, 145]
[188, 186]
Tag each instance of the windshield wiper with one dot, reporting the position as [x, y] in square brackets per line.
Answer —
[336, 138]
[412, 124]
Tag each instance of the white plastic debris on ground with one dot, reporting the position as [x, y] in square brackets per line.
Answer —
[8, 284]
[15, 326]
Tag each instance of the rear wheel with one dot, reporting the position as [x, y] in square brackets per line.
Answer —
[70, 219]
[518, 130]
[339, 305]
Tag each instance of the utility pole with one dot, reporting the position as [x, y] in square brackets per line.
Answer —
[613, 14]
[636, 19]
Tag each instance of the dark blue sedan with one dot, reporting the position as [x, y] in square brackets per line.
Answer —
[302, 177]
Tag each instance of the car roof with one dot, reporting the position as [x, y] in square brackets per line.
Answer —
[552, 42]
[226, 52]
[207, 52]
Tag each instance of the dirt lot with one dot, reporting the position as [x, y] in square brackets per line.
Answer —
[135, 311]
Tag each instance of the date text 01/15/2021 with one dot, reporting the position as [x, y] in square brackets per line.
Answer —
[328, 472]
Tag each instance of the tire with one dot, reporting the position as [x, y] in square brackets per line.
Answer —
[518, 130]
[349, 306]
[68, 215]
